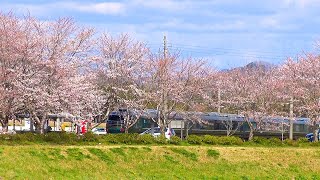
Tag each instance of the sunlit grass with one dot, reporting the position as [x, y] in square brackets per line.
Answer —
[158, 162]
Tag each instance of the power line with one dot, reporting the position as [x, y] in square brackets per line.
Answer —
[229, 49]
[227, 53]
[230, 53]
[224, 51]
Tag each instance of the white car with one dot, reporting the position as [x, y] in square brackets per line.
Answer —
[99, 131]
[156, 132]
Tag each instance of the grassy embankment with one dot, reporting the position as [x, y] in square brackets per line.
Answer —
[158, 162]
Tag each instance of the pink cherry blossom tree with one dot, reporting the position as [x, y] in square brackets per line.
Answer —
[12, 49]
[120, 73]
[52, 55]
[300, 81]
[173, 85]
[246, 92]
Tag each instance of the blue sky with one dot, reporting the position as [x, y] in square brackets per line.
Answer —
[227, 33]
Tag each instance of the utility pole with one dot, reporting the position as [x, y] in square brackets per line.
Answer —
[219, 100]
[291, 119]
[164, 46]
[165, 86]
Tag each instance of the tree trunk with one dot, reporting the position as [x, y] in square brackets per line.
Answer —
[126, 124]
[14, 124]
[315, 129]
[42, 123]
[161, 121]
[181, 131]
[250, 135]
[127, 127]
[39, 122]
[31, 124]
[4, 124]
[187, 129]
[228, 132]
[315, 135]
[251, 131]
[162, 131]
[37, 125]
[250, 127]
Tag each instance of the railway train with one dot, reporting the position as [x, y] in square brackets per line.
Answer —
[220, 124]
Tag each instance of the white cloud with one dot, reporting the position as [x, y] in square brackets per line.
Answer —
[236, 24]
[177, 24]
[301, 4]
[105, 8]
[100, 8]
[163, 4]
[278, 22]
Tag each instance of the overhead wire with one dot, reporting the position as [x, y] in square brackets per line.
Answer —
[222, 51]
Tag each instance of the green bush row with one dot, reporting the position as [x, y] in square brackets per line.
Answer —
[256, 141]
[214, 140]
[286, 142]
[89, 138]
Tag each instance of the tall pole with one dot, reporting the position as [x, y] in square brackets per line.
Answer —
[164, 46]
[291, 119]
[165, 86]
[219, 100]
[181, 130]
[282, 131]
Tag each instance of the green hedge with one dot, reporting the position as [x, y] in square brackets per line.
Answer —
[64, 138]
[214, 140]
[194, 139]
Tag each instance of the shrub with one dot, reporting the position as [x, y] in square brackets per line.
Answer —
[268, 142]
[145, 139]
[7, 138]
[175, 140]
[124, 138]
[120, 138]
[28, 138]
[290, 142]
[315, 143]
[90, 137]
[260, 140]
[161, 140]
[110, 138]
[59, 138]
[230, 140]
[194, 139]
[69, 138]
[52, 137]
[303, 140]
[210, 139]
[275, 142]
[127, 138]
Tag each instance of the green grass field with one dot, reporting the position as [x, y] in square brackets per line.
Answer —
[158, 162]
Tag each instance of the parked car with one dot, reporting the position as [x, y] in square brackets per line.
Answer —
[169, 132]
[309, 136]
[99, 131]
